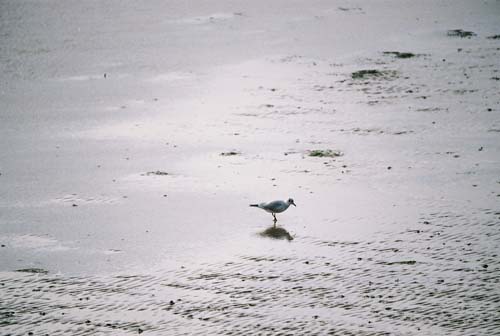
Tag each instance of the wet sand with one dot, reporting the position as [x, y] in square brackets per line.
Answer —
[435, 279]
[134, 137]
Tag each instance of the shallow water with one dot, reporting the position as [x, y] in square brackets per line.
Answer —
[439, 277]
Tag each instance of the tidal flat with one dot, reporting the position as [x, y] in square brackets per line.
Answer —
[133, 137]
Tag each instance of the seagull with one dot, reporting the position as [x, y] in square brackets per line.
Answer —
[275, 207]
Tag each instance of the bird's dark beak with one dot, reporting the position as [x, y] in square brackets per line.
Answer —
[294, 204]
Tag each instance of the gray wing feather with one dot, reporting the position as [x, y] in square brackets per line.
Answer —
[274, 206]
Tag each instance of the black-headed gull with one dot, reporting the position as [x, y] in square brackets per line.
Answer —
[275, 207]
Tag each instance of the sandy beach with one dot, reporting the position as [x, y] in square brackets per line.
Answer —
[134, 136]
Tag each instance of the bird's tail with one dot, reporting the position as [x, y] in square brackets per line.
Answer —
[254, 205]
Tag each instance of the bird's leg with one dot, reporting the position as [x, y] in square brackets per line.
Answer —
[275, 219]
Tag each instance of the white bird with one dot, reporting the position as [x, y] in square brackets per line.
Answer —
[274, 207]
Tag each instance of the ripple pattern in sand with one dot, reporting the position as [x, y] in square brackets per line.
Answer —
[439, 277]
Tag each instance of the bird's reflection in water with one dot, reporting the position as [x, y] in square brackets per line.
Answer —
[276, 233]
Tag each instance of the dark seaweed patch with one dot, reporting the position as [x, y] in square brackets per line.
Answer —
[404, 262]
[231, 153]
[324, 153]
[461, 33]
[373, 73]
[33, 270]
[158, 173]
[365, 73]
[398, 54]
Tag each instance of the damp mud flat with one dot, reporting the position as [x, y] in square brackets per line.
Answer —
[134, 137]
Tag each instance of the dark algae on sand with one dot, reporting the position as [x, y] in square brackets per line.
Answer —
[461, 33]
[324, 153]
[399, 54]
[373, 73]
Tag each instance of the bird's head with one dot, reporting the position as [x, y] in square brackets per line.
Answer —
[291, 202]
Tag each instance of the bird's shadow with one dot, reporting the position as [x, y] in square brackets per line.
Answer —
[276, 232]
